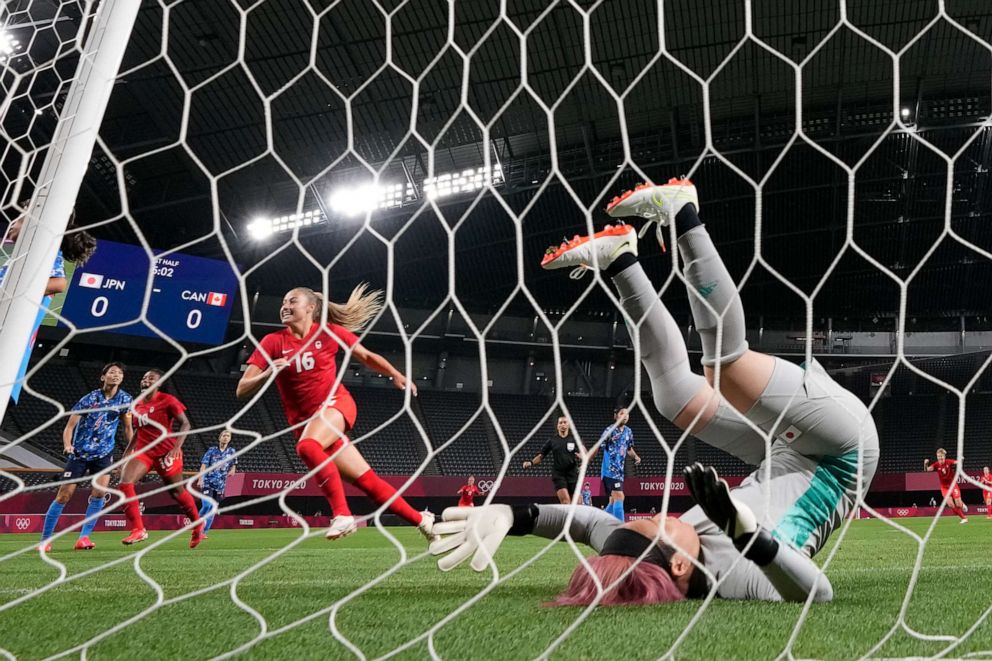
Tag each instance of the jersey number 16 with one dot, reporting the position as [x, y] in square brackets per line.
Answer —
[304, 362]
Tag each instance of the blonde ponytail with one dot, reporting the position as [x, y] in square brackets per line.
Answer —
[361, 307]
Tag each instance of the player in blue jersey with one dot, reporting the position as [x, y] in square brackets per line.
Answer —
[77, 246]
[618, 444]
[88, 439]
[218, 463]
[586, 495]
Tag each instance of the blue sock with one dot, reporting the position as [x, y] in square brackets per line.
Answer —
[618, 511]
[204, 508]
[609, 508]
[92, 507]
[51, 518]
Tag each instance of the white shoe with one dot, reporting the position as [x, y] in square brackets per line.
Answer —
[341, 526]
[963, 521]
[657, 203]
[601, 248]
[426, 527]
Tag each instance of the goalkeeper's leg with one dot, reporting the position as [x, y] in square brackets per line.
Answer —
[716, 304]
[682, 396]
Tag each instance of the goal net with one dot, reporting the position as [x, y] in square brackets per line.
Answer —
[435, 149]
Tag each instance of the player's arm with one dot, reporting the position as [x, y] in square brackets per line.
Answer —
[464, 528]
[379, 364]
[70, 428]
[56, 286]
[927, 466]
[633, 453]
[202, 471]
[539, 457]
[128, 428]
[254, 377]
[184, 427]
[791, 576]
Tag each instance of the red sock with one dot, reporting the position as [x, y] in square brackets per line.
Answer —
[186, 502]
[958, 512]
[328, 477]
[380, 491]
[132, 510]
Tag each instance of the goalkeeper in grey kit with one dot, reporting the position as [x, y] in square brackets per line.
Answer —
[755, 541]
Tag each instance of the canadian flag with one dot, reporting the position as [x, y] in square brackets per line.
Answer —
[90, 280]
[216, 298]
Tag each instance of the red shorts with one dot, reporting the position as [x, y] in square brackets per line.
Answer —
[343, 403]
[955, 492]
[156, 461]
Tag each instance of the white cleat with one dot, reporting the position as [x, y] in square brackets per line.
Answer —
[657, 203]
[341, 526]
[963, 521]
[602, 248]
[426, 527]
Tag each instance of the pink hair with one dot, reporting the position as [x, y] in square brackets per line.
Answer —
[646, 584]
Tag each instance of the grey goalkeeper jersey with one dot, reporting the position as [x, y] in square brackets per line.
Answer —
[790, 576]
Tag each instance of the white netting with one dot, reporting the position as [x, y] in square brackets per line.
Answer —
[349, 69]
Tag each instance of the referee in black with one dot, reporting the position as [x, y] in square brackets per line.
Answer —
[565, 460]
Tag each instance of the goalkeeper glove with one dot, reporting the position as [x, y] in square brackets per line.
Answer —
[730, 515]
[479, 530]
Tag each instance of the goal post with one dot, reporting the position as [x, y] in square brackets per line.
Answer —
[66, 162]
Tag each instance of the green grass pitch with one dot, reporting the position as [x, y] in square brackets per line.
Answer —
[870, 575]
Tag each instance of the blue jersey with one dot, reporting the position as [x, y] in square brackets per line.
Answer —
[586, 496]
[615, 448]
[95, 434]
[58, 268]
[216, 479]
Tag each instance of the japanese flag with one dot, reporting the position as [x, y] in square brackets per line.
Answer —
[90, 280]
[216, 298]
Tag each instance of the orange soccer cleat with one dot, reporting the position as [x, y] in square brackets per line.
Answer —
[138, 535]
[197, 537]
[601, 248]
[84, 544]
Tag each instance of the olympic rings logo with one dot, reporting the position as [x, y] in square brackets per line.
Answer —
[22, 524]
[485, 485]
[902, 512]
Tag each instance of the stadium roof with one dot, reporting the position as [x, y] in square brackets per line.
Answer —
[847, 104]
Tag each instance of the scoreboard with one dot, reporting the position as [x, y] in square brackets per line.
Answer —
[190, 299]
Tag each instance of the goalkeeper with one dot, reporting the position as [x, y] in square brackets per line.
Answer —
[822, 443]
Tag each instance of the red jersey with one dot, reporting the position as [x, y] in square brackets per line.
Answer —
[306, 385]
[468, 494]
[945, 472]
[985, 479]
[162, 409]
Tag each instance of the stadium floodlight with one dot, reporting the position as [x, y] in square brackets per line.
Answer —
[8, 45]
[466, 181]
[260, 228]
[354, 201]
[905, 112]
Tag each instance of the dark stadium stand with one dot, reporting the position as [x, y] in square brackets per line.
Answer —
[470, 451]
[911, 426]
